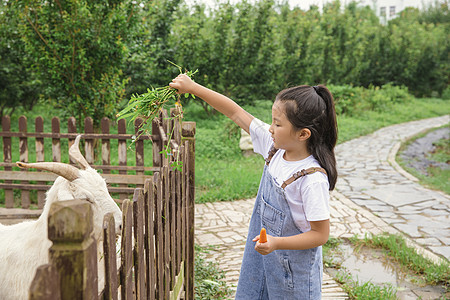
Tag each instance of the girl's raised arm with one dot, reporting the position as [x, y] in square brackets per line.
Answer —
[220, 102]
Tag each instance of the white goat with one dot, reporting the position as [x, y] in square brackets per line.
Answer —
[24, 246]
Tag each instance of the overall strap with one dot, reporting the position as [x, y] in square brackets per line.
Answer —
[302, 173]
[272, 152]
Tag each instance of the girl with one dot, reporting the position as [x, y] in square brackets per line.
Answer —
[292, 200]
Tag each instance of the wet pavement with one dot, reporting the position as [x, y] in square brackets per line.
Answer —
[373, 195]
[372, 265]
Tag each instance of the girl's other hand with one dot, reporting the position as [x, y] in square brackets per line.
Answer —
[183, 84]
[267, 247]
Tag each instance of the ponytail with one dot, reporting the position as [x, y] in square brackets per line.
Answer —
[314, 109]
[324, 151]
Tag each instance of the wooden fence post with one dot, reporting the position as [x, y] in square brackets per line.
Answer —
[139, 256]
[188, 133]
[158, 198]
[122, 152]
[56, 146]
[150, 246]
[89, 147]
[23, 148]
[126, 273]
[71, 128]
[166, 228]
[40, 156]
[9, 193]
[74, 251]
[157, 143]
[176, 114]
[109, 246]
[139, 144]
[106, 147]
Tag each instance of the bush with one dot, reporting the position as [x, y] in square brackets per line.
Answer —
[446, 93]
[346, 98]
[380, 99]
[352, 101]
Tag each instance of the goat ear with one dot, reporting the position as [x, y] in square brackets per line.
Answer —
[75, 154]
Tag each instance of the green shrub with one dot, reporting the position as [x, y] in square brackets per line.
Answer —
[345, 98]
[446, 93]
[353, 101]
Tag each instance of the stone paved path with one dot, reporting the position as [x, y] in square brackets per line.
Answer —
[370, 178]
[373, 195]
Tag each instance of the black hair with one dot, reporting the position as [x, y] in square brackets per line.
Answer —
[313, 108]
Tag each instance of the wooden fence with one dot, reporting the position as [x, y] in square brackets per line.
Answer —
[130, 174]
[157, 238]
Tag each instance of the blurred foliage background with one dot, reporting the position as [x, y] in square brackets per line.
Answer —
[88, 57]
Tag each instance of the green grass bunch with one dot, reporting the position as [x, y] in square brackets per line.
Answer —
[442, 150]
[209, 279]
[366, 290]
[147, 106]
[330, 247]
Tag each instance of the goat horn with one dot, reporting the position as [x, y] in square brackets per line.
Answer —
[67, 171]
[75, 154]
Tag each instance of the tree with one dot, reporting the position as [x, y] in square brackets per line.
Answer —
[150, 49]
[79, 49]
[18, 82]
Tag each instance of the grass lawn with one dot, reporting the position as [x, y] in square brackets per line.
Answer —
[437, 178]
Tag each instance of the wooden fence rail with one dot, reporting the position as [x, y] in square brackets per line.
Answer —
[157, 238]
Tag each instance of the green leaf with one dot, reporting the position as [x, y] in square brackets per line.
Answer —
[210, 282]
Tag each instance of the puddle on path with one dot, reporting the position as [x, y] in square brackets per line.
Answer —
[365, 264]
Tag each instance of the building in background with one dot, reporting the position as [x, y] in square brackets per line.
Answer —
[385, 9]
[388, 9]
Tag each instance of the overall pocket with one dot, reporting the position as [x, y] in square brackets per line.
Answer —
[288, 277]
[272, 218]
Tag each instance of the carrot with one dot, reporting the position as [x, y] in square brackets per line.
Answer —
[263, 236]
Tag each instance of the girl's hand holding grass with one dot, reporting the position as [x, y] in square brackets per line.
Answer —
[184, 84]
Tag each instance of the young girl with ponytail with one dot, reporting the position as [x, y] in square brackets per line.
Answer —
[292, 201]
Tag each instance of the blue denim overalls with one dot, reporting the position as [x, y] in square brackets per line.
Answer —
[282, 274]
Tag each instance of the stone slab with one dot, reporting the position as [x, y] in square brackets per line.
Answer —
[399, 195]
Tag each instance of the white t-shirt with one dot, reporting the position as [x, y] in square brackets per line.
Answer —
[308, 196]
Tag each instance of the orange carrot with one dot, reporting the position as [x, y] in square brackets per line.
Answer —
[263, 236]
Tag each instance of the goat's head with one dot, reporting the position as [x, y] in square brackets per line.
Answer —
[84, 183]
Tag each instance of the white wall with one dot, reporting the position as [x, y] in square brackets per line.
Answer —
[392, 8]
[375, 4]
[399, 4]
